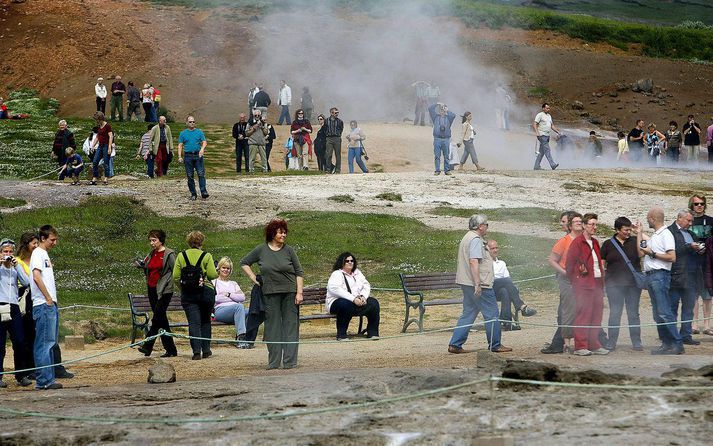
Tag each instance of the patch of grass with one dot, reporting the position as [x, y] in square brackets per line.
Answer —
[539, 92]
[7, 203]
[342, 198]
[389, 196]
[528, 214]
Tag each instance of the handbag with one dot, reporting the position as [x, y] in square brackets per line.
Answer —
[640, 278]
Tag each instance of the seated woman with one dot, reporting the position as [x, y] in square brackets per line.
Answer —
[348, 296]
[229, 300]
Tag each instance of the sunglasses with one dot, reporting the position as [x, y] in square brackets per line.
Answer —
[699, 204]
[349, 261]
[191, 122]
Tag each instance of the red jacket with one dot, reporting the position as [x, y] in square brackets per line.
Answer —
[580, 253]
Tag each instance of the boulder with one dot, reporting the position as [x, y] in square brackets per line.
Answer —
[643, 85]
[620, 86]
[162, 372]
[577, 105]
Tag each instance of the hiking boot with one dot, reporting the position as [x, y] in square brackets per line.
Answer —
[549, 350]
[24, 382]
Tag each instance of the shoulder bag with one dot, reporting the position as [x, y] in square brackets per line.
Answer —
[639, 278]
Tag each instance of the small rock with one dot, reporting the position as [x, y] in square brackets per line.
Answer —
[620, 86]
[584, 114]
[596, 120]
[162, 372]
[577, 105]
[613, 94]
[690, 104]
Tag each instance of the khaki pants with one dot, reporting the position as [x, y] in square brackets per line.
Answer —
[692, 154]
[254, 151]
[117, 105]
[334, 146]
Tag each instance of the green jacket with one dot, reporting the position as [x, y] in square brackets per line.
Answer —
[156, 139]
[208, 266]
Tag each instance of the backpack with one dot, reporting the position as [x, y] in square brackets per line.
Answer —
[191, 275]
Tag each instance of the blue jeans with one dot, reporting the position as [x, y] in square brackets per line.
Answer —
[659, 283]
[509, 296]
[284, 115]
[620, 296]
[102, 153]
[150, 165]
[355, 154]
[440, 146]
[154, 115]
[687, 299]
[232, 314]
[46, 331]
[194, 162]
[472, 305]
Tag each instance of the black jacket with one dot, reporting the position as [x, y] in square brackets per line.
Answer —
[239, 128]
[679, 269]
[262, 99]
[256, 312]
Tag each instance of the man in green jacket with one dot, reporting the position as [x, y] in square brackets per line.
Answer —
[161, 146]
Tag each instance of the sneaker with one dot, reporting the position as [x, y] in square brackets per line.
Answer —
[600, 351]
[205, 196]
[527, 311]
[691, 341]
[244, 345]
[169, 355]
[193, 198]
[53, 386]
[64, 375]
[551, 350]
[448, 172]
[24, 382]
[555, 166]
[339, 338]
[436, 173]
[582, 352]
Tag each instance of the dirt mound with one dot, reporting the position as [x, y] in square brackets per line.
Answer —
[540, 371]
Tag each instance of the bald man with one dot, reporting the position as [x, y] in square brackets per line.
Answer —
[660, 253]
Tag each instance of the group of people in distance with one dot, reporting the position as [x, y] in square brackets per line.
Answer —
[677, 270]
[207, 292]
[148, 99]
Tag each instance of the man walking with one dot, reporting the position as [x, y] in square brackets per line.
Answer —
[543, 126]
[194, 142]
[133, 98]
[475, 276]
[241, 143]
[442, 120]
[333, 135]
[161, 146]
[261, 101]
[660, 253]
[117, 98]
[44, 309]
[284, 101]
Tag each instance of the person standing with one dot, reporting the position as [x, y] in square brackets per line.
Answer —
[586, 274]
[282, 282]
[320, 144]
[421, 91]
[660, 253]
[63, 139]
[147, 102]
[543, 126]
[475, 275]
[44, 309]
[117, 98]
[709, 141]
[251, 97]
[262, 101]
[12, 274]
[300, 130]
[467, 140]
[144, 151]
[161, 146]
[284, 101]
[442, 120]
[620, 285]
[673, 142]
[256, 133]
[307, 103]
[241, 143]
[636, 141]
[503, 100]
[103, 145]
[194, 142]
[269, 139]
[133, 99]
[702, 229]
[156, 103]
[355, 146]
[100, 93]
[333, 137]
[683, 270]
[692, 140]
[158, 268]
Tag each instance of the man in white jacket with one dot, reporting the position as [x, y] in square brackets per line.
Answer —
[284, 101]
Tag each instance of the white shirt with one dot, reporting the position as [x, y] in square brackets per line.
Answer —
[500, 269]
[661, 242]
[337, 288]
[40, 260]
[544, 123]
[100, 90]
[285, 95]
[597, 270]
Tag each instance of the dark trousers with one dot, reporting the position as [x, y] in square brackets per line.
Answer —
[101, 104]
[686, 297]
[268, 149]
[509, 296]
[282, 324]
[161, 162]
[150, 165]
[198, 307]
[148, 111]
[619, 297]
[28, 324]
[21, 351]
[242, 151]
[346, 310]
[333, 153]
[159, 320]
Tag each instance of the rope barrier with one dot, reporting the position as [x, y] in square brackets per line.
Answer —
[348, 407]
[71, 307]
[44, 175]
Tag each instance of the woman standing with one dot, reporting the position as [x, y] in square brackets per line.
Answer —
[229, 300]
[320, 144]
[586, 273]
[355, 143]
[653, 140]
[673, 142]
[300, 129]
[102, 147]
[348, 296]
[158, 267]
[193, 270]
[147, 102]
[282, 293]
[467, 139]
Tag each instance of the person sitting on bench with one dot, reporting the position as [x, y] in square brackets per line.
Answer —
[348, 296]
[507, 292]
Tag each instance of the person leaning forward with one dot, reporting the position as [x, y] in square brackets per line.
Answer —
[475, 276]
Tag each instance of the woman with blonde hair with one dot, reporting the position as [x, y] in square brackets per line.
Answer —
[229, 300]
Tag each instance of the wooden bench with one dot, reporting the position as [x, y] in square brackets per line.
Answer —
[415, 284]
[140, 309]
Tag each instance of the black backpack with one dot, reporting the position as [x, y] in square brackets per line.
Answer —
[191, 275]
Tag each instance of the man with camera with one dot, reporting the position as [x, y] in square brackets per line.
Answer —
[256, 132]
[692, 139]
[442, 119]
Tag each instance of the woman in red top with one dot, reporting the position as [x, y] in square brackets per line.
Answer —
[158, 267]
[300, 129]
[585, 270]
[105, 138]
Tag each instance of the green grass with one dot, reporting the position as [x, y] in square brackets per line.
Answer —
[8, 203]
[526, 214]
[389, 196]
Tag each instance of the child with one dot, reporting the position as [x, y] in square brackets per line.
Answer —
[74, 165]
[623, 153]
[144, 151]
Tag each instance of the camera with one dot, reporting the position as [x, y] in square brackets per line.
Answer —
[443, 128]
[643, 244]
[7, 259]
